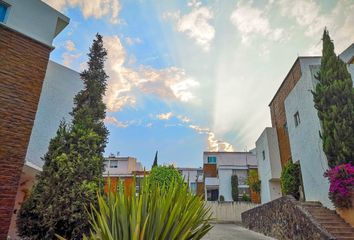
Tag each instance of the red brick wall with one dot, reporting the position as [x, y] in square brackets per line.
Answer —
[23, 63]
[210, 170]
[277, 111]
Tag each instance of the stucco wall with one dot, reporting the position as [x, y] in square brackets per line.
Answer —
[225, 184]
[35, 19]
[60, 86]
[269, 168]
[305, 141]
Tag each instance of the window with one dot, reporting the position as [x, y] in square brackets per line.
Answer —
[211, 159]
[3, 10]
[297, 119]
[285, 126]
[263, 154]
[114, 164]
[193, 187]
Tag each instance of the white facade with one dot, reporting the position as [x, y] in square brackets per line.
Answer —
[35, 19]
[60, 86]
[269, 166]
[228, 164]
[304, 132]
[121, 166]
[191, 176]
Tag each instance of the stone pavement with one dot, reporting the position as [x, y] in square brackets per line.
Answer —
[233, 231]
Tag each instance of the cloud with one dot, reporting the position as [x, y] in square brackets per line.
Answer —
[70, 46]
[68, 58]
[132, 41]
[309, 15]
[195, 24]
[252, 21]
[114, 121]
[91, 8]
[164, 116]
[126, 84]
[213, 144]
[184, 119]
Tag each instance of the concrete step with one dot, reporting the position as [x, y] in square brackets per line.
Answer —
[348, 234]
[340, 229]
[335, 224]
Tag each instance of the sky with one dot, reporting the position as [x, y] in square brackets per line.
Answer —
[193, 76]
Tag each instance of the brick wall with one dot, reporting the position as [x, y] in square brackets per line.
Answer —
[277, 111]
[23, 64]
[210, 170]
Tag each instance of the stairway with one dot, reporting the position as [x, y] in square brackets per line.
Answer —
[330, 220]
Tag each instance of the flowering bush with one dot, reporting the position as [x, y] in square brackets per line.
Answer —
[341, 180]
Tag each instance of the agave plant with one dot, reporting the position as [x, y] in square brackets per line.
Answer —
[153, 213]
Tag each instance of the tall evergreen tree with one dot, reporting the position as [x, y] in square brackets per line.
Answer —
[72, 172]
[334, 100]
[155, 160]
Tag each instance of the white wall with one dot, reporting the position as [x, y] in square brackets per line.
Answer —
[229, 211]
[60, 86]
[225, 184]
[35, 19]
[232, 158]
[305, 141]
[269, 168]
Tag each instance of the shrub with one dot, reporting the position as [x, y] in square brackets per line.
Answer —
[246, 197]
[234, 187]
[253, 181]
[290, 180]
[150, 214]
[221, 198]
[341, 180]
[164, 176]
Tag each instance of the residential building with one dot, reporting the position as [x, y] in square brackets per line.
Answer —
[218, 168]
[122, 169]
[194, 178]
[269, 166]
[27, 30]
[298, 128]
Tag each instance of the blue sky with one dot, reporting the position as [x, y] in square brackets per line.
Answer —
[190, 76]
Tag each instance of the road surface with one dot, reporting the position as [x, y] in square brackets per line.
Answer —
[233, 231]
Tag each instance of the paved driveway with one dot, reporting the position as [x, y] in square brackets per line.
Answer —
[231, 232]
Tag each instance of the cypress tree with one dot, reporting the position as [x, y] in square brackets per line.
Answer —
[155, 161]
[334, 101]
[72, 172]
[234, 187]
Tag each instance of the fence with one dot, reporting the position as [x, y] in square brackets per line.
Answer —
[228, 211]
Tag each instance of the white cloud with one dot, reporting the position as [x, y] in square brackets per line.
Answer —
[164, 116]
[68, 58]
[184, 119]
[195, 24]
[132, 41]
[114, 121]
[213, 144]
[125, 84]
[252, 21]
[70, 45]
[90, 8]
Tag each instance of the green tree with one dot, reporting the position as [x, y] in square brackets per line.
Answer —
[155, 161]
[72, 172]
[164, 176]
[290, 180]
[253, 181]
[334, 101]
[234, 187]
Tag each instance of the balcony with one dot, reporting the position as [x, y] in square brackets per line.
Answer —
[211, 181]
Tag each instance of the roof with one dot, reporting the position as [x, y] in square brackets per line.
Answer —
[206, 152]
[291, 69]
[189, 169]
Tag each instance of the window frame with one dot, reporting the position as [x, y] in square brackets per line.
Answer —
[7, 8]
[297, 119]
[212, 157]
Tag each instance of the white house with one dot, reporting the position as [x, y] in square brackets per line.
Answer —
[218, 169]
[192, 176]
[269, 167]
[302, 129]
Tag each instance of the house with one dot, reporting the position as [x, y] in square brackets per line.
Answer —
[35, 94]
[296, 132]
[124, 170]
[218, 168]
[194, 178]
